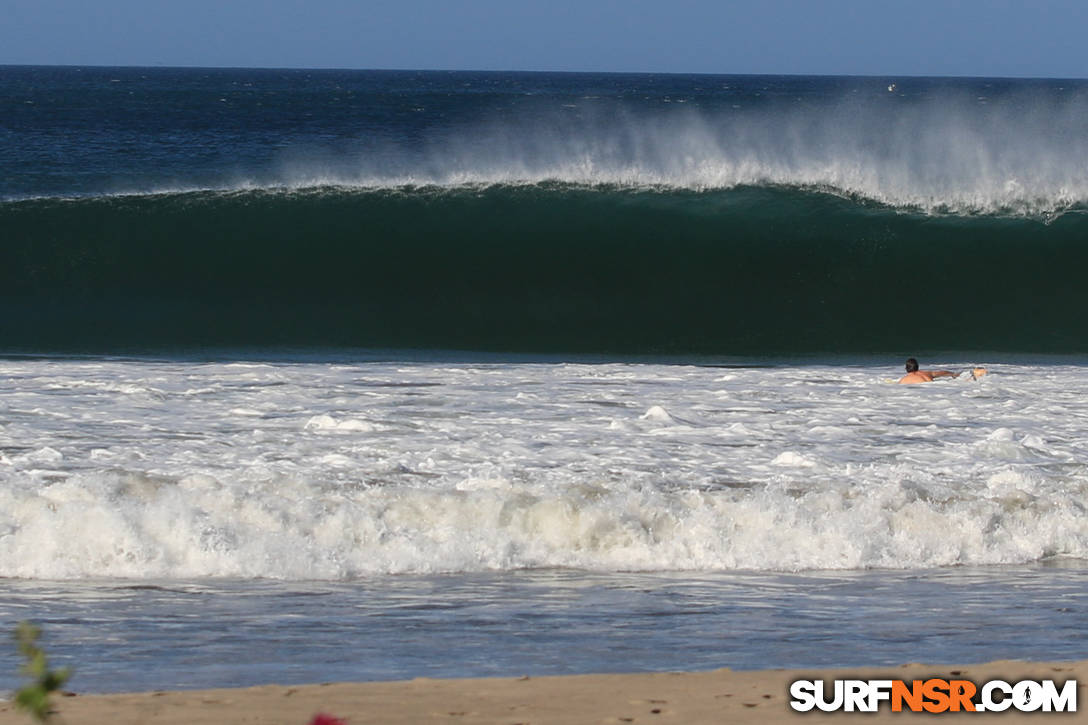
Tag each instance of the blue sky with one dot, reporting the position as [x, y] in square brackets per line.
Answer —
[869, 37]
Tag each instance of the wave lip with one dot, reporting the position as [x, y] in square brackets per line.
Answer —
[1012, 199]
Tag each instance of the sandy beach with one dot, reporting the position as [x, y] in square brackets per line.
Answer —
[682, 697]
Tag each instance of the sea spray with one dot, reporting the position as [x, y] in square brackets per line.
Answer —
[966, 146]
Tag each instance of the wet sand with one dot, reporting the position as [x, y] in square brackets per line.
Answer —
[719, 696]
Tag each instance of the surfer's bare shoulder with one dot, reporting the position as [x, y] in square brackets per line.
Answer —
[914, 375]
[925, 376]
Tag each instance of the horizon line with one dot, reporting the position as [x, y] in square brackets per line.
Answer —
[164, 66]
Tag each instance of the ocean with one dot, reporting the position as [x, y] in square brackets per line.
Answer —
[358, 375]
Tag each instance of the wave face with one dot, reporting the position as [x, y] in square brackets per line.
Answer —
[537, 268]
[157, 208]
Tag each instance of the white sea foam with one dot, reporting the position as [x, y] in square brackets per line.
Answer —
[357, 469]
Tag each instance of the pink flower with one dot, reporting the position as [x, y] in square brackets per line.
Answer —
[323, 719]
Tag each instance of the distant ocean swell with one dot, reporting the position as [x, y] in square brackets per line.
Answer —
[538, 267]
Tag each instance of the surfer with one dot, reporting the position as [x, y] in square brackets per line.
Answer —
[914, 375]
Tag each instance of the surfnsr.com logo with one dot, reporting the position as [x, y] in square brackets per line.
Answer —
[933, 695]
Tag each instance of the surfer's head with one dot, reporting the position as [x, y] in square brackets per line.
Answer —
[912, 365]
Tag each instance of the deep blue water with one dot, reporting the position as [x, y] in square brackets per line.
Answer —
[157, 209]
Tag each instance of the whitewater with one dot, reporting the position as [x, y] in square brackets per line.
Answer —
[300, 470]
[389, 516]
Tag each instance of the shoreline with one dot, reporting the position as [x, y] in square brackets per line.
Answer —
[691, 698]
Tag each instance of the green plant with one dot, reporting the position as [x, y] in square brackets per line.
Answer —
[34, 696]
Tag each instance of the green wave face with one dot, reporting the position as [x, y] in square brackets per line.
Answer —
[544, 268]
